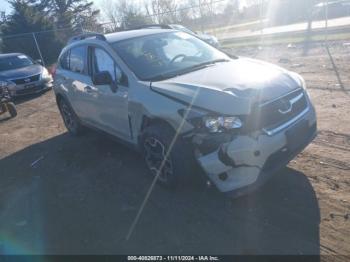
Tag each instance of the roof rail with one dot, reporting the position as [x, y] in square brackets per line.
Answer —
[87, 35]
[145, 26]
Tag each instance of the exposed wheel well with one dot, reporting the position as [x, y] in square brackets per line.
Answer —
[148, 121]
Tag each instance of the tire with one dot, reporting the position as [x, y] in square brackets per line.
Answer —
[12, 109]
[70, 119]
[180, 161]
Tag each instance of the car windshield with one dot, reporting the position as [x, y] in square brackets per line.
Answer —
[165, 55]
[14, 62]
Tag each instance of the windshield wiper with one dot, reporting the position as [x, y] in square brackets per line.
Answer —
[204, 65]
[186, 70]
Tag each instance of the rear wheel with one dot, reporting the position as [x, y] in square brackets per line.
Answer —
[12, 109]
[170, 161]
[71, 121]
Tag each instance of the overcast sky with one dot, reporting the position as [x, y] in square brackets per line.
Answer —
[4, 6]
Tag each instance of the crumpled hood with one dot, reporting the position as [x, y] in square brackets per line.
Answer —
[229, 87]
[22, 72]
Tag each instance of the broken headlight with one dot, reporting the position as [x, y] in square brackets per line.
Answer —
[46, 75]
[210, 123]
[221, 123]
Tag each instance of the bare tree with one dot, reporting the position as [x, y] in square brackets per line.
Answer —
[112, 13]
[162, 11]
[123, 14]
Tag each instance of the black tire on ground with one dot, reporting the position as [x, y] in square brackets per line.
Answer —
[12, 109]
[180, 161]
[70, 119]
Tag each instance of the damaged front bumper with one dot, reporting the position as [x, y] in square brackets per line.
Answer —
[247, 161]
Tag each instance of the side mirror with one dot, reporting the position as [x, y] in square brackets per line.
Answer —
[104, 78]
[38, 61]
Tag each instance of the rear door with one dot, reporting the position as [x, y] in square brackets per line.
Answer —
[80, 82]
[72, 77]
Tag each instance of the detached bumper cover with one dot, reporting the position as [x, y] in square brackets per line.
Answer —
[248, 161]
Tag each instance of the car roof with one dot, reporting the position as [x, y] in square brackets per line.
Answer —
[120, 36]
[10, 55]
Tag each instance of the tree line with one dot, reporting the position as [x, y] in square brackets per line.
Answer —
[53, 21]
[202, 14]
[57, 20]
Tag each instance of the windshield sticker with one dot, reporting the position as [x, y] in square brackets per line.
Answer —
[22, 57]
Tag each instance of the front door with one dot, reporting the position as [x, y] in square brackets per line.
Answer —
[111, 105]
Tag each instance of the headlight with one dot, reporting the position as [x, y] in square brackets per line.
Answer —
[299, 79]
[219, 124]
[45, 74]
[301, 82]
[214, 124]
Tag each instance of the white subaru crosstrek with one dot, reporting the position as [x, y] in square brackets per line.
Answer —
[181, 102]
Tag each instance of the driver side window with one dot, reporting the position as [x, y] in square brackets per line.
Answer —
[104, 62]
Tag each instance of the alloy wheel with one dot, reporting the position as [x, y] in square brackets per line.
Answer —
[68, 117]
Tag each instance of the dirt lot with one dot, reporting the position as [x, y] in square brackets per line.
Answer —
[83, 194]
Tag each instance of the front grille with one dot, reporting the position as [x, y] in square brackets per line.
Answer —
[273, 114]
[26, 80]
[28, 90]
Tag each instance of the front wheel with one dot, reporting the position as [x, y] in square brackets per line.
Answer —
[12, 109]
[167, 157]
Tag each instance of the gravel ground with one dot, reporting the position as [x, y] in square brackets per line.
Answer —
[83, 194]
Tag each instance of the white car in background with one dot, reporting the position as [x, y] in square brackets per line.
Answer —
[210, 39]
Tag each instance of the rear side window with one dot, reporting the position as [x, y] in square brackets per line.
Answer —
[64, 62]
[77, 59]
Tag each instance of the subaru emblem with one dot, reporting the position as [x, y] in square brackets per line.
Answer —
[285, 106]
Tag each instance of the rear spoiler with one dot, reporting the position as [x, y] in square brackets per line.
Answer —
[87, 35]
